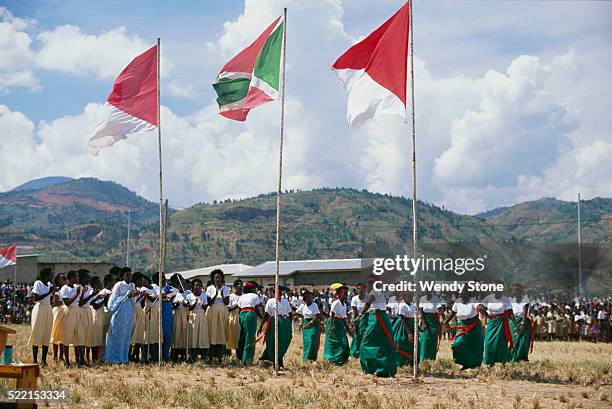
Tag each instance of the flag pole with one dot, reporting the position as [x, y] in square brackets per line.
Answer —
[127, 257]
[279, 192]
[415, 352]
[15, 287]
[161, 207]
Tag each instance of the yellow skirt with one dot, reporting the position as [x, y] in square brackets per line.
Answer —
[151, 314]
[59, 318]
[199, 330]
[84, 322]
[180, 328]
[217, 316]
[98, 334]
[138, 326]
[233, 329]
[42, 324]
[71, 326]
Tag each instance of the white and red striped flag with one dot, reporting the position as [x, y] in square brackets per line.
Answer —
[374, 71]
[132, 104]
[8, 256]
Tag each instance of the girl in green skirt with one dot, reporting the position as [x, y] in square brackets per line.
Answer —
[249, 303]
[336, 340]
[524, 340]
[359, 324]
[498, 335]
[468, 341]
[273, 307]
[403, 329]
[377, 352]
[430, 306]
[311, 326]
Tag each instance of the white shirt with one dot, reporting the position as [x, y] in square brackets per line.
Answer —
[198, 301]
[518, 306]
[308, 311]
[465, 311]
[224, 291]
[338, 308]
[379, 303]
[182, 297]
[407, 310]
[233, 299]
[86, 294]
[358, 303]
[39, 289]
[283, 308]
[152, 292]
[392, 306]
[68, 292]
[249, 300]
[101, 295]
[496, 306]
[431, 305]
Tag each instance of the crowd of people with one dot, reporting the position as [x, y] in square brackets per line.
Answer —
[115, 319]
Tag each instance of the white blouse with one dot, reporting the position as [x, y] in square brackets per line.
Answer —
[431, 305]
[338, 308]
[496, 306]
[308, 311]
[40, 288]
[283, 308]
[358, 303]
[223, 292]
[68, 292]
[199, 301]
[518, 306]
[249, 300]
[465, 311]
[407, 310]
[379, 303]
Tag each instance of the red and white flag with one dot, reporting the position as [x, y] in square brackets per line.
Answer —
[374, 71]
[132, 104]
[8, 256]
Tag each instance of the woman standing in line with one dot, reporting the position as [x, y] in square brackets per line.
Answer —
[139, 324]
[121, 306]
[359, 324]
[468, 341]
[168, 293]
[42, 315]
[198, 303]
[69, 294]
[311, 326]
[57, 330]
[233, 325]
[217, 315]
[336, 339]
[249, 304]
[276, 306]
[85, 317]
[403, 331]
[377, 351]
[498, 336]
[430, 333]
[181, 333]
[99, 316]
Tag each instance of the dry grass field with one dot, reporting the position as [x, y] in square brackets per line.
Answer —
[559, 375]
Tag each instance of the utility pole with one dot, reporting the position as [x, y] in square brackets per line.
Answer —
[579, 250]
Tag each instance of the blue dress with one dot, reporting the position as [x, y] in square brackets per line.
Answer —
[120, 330]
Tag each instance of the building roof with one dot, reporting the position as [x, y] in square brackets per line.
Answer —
[228, 269]
[287, 268]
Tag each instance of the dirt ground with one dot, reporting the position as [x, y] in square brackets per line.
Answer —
[559, 375]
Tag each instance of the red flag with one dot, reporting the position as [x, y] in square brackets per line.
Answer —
[8, 256]
[132, 103]
[374, 71]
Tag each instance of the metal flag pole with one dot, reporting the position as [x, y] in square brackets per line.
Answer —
[415, 351]
[579, 250]
[279, 192]
[127, 257]
[15, 286]
[161, 206]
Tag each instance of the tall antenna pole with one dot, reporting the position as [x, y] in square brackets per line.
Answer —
[161, 203]
[415, 351]
[579, 250]
[166, 223]
[279, 192]
[127, 258]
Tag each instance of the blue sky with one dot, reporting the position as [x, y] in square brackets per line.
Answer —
[512, 98]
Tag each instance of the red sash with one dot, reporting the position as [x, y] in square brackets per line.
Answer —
[248, 309]
[389, 337]
[507, 331]
[464, 329]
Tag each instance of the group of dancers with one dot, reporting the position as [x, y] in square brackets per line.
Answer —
[115, 320]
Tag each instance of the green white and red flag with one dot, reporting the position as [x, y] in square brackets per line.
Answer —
[253, 76]
[8, 256]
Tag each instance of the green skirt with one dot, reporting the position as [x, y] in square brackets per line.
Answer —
[428, 341]
[359, 329]
[248, 330]
[311, 338]
[468, 347]
[496, 344]
[336, 343]
[400, 337]
[284, 339]
[376, 354]
[522, 343]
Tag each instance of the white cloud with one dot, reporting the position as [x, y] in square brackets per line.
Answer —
[179, 89]
[16, 57]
